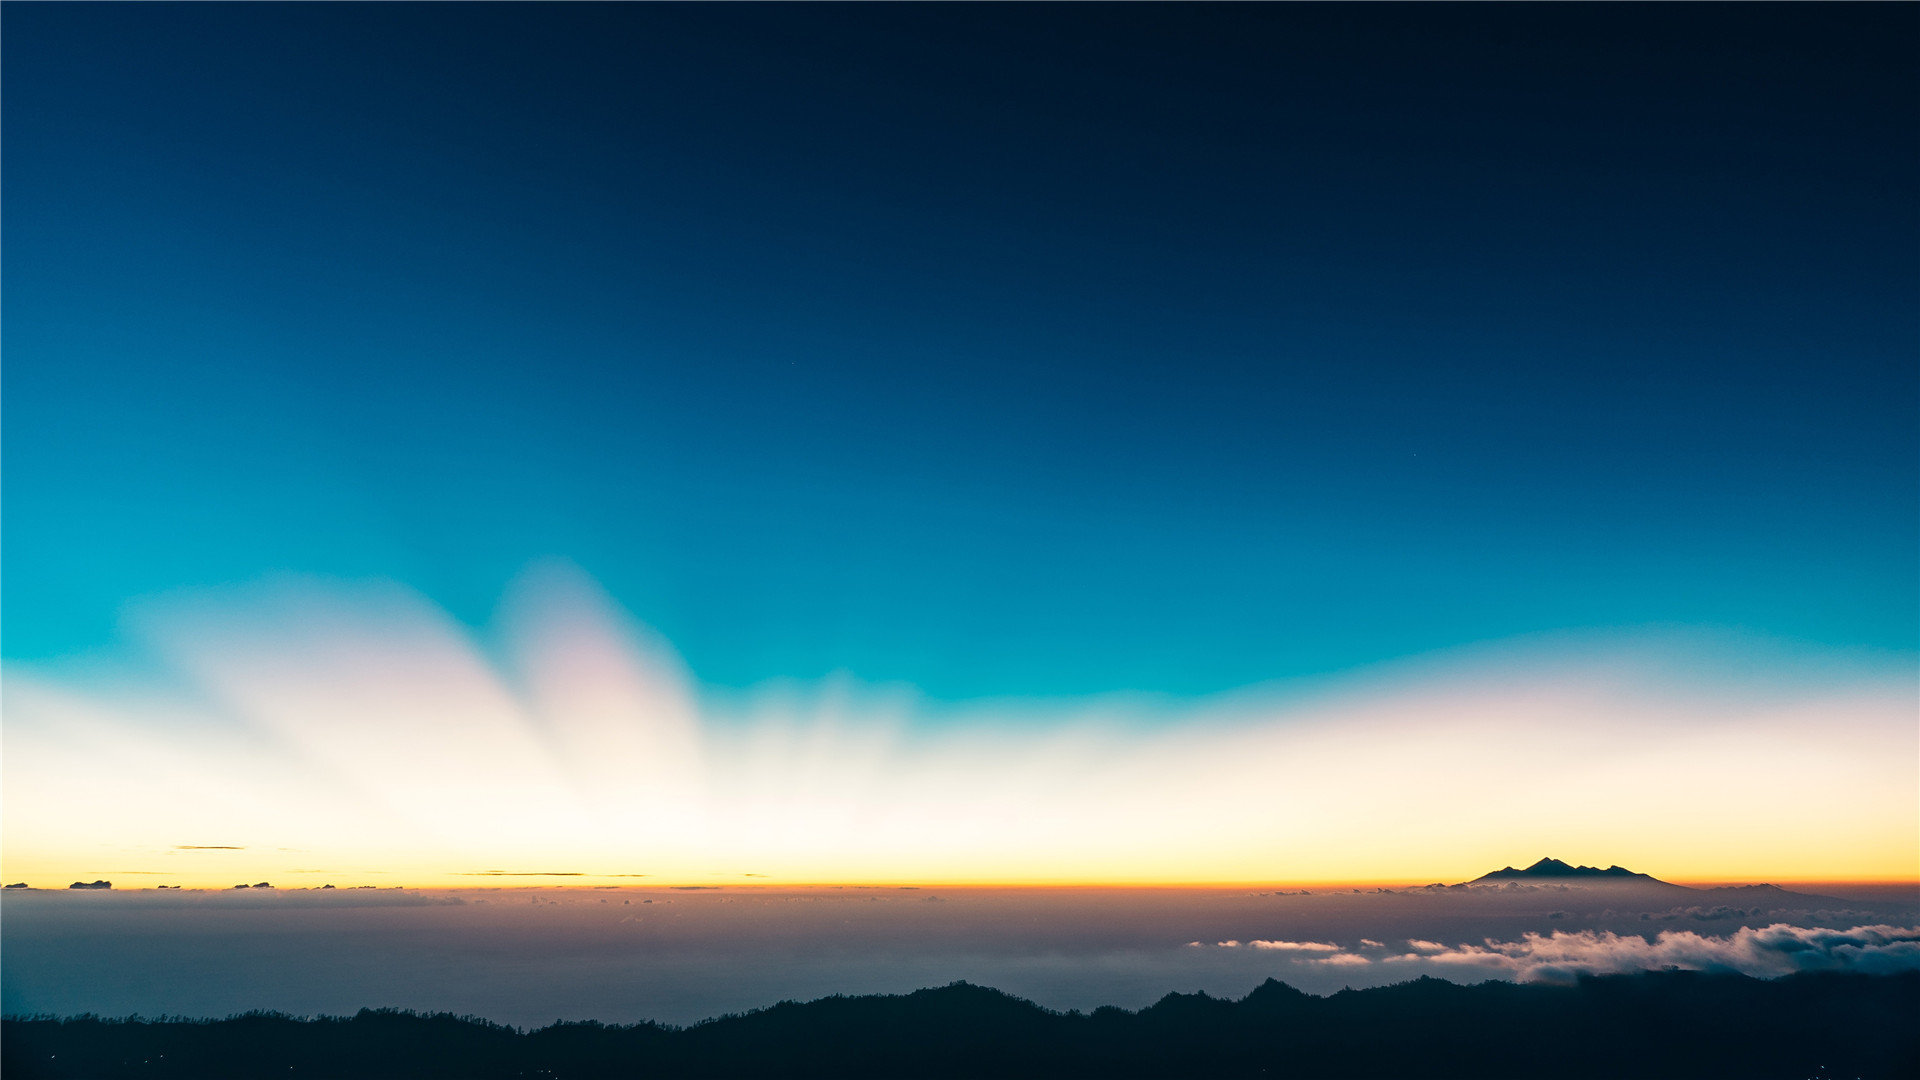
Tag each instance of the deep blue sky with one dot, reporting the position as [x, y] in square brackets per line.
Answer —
[998, 350]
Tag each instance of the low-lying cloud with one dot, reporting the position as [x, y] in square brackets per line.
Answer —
[1779, 949]
[1297, 946]
[1344, 959]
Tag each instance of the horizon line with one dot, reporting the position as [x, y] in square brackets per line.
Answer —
[582, 881]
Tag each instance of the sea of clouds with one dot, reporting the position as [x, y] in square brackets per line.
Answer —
[1764, 952]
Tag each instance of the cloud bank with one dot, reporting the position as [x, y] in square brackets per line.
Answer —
[1765, 952]
[1779, 949]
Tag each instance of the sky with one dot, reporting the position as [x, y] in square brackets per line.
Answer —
[1011, 443]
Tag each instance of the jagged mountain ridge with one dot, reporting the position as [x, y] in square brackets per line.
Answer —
[1708, 1024]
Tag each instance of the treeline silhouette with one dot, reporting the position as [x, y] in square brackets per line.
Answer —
[1661, 1024]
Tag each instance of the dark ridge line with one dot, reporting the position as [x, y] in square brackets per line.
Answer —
[1673, 1024]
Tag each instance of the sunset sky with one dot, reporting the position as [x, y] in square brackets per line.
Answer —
[453, 445]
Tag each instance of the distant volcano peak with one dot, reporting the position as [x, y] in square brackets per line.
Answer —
[1552, 869]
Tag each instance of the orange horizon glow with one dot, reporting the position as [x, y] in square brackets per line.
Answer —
[427, 883]
[56, 876]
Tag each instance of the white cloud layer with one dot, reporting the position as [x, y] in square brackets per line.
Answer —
[1779, 949]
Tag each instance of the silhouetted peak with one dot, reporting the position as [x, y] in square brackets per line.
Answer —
[959, 998]
[103, 884]
[1274, 994]
[959, 991]
[963, 987]
[1175, 1005]
[1551, 868]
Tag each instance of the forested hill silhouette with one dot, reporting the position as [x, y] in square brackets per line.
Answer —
[1658, 1024]
[1555, 870]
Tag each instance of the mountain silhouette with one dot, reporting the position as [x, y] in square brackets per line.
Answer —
[1555, 870]
[1651, 1025]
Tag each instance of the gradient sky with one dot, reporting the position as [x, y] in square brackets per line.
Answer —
[1009, 353]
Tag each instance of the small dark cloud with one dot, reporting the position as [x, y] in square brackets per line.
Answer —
[18, 885]
[91, 885]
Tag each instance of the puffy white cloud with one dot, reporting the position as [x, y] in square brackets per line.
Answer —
[1297, 946]
[1345, 959]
